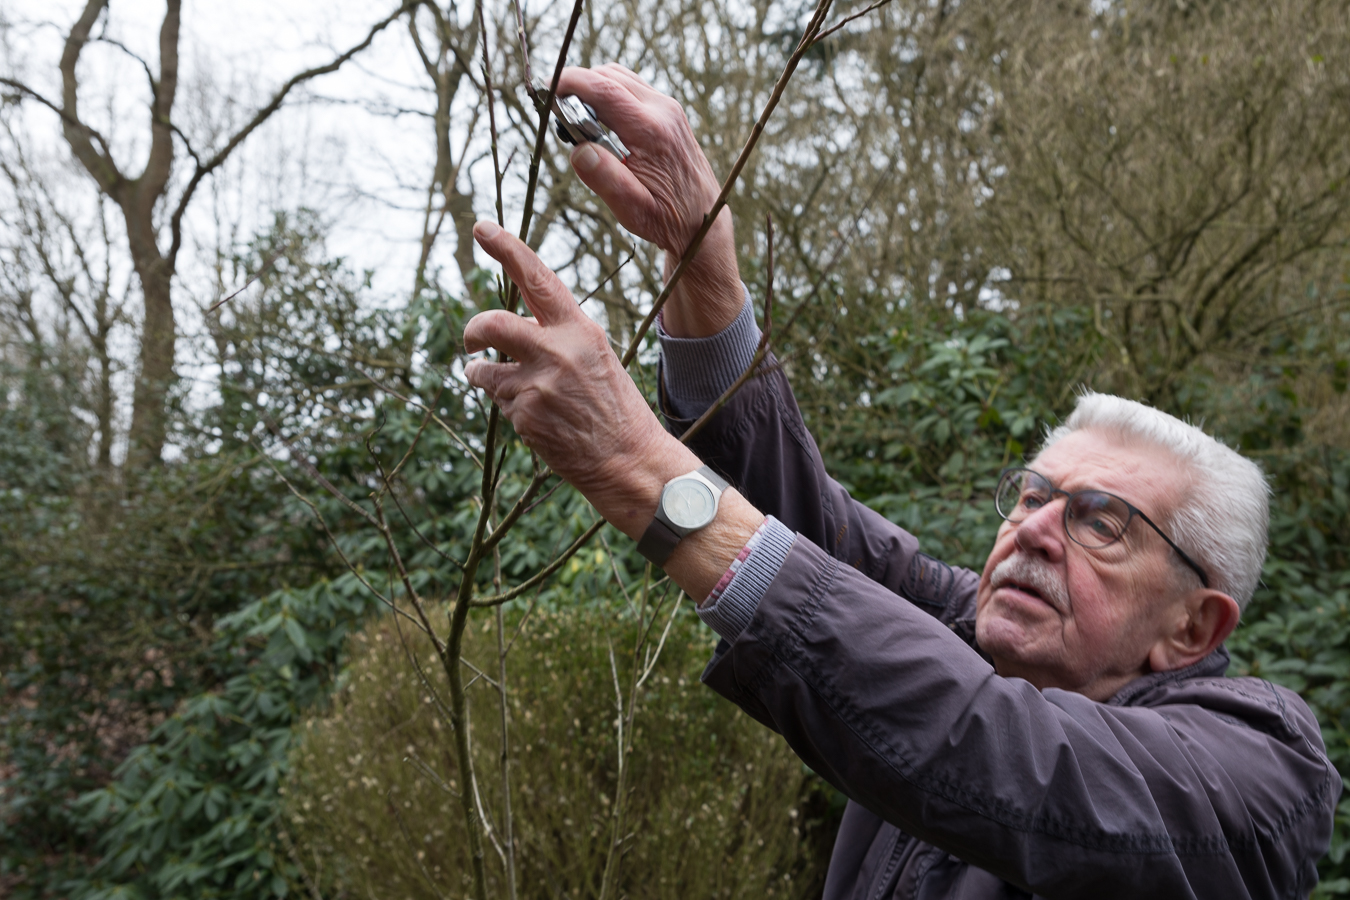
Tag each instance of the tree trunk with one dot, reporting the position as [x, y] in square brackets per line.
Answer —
[136, 197]
[149, 411]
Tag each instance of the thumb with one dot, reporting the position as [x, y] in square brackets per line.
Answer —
[615, 184]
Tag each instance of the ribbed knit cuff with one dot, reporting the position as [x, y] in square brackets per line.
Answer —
[696, 371]
[730, 613]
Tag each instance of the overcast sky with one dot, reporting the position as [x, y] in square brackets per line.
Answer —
[328, 151]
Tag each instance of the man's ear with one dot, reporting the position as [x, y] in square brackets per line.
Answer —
[1203, 621]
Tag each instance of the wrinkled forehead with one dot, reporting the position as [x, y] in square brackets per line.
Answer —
[1146, 474]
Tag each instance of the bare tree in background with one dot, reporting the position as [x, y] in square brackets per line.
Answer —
[446, 50]
[140, 196]
[50, 247]
[1181, 168]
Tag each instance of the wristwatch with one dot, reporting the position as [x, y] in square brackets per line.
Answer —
[687, 504]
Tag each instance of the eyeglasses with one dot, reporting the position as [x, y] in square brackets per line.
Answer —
[1092, 519]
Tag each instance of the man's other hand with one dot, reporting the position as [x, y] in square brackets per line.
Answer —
[661, 193]
[566, 394]
[574, 405]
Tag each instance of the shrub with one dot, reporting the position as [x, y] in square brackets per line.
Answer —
[717, 805]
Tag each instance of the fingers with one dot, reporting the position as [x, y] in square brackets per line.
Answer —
[612, 181]
[500, 381]
[641, 116]
[517, 337]
[546, 296]
[615, 94]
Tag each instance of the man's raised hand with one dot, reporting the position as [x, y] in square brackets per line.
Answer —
[661, 192]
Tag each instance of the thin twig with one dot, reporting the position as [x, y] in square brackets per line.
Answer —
[492, 107]
[310, 883]
[508, 826]
[547, 473]
[218, 159]
[454, 435]
[263, 270]
[407, 583]
[430, 773]
[412, 445]
[545, 109]
[607, 878]
[543, 574]
[431, 545]
[422, 674]
[477, 673]
[841, 23]
[332, 539]
[517, 510]
[608, 279]
[65, 116]
[299, 459]
[524, 50]
[402, 826]
[618, 579]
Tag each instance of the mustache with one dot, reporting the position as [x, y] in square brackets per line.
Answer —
[1024, 571]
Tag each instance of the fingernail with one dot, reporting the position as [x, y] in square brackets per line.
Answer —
[585, 158]
[485, 231]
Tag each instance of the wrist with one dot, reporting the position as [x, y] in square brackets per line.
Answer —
[629, 497]
[709, 295]
[631, 490]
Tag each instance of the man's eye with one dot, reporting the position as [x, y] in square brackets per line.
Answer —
[1033, 501]
[1099, 518]
[1107, 529]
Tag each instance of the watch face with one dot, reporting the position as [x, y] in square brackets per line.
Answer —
[689, 503]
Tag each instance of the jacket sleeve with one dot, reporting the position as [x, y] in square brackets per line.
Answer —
[1056, 793]
[759, 443]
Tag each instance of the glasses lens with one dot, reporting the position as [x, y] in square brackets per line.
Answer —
[1097, 519]
[1020, 493]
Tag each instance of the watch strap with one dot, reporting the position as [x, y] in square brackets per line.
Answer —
[713, 478]
[658, 542]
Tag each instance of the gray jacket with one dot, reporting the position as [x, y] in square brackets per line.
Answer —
[964, 784]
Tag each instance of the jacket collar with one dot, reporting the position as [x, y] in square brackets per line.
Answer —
[1211, 666]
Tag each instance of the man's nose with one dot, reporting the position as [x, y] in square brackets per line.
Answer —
[1042, 532]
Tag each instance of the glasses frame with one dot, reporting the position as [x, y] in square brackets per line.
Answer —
[1068, 499]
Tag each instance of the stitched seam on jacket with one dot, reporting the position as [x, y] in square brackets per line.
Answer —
[777, 642]
[943, 574]
[894, 860]
[742, 423]
[930, 859]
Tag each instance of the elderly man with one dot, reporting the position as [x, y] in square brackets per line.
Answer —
[1059, 725]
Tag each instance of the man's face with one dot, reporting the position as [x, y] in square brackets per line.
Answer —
[1061, 615]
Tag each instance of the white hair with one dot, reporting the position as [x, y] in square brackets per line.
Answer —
[1222, 519]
